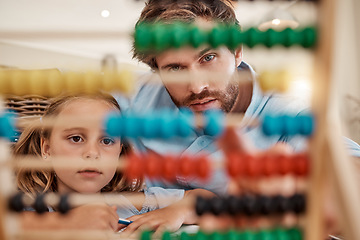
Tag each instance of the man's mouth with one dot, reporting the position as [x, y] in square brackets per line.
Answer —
[203, 104]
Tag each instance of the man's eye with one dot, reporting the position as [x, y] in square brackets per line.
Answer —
[174, 68]
[107, 141]
[208, 58]
[76, 139]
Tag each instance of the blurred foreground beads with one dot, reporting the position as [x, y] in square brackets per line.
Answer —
[159, 36]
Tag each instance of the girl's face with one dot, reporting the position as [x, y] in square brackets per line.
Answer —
[84, 143]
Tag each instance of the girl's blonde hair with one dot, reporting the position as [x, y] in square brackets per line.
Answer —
[29, 143]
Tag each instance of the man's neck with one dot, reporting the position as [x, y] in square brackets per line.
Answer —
[244, 97]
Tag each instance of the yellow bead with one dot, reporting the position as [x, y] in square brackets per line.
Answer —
[92, 82]
[37, 83]
[19, 84]
[55, 83]
[5, 82]
[126, 81]
[73, 82]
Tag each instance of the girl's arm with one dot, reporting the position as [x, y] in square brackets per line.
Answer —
[170, 218]
[90, 216]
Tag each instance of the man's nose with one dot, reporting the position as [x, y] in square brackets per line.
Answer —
[91, 151]
[198, 81]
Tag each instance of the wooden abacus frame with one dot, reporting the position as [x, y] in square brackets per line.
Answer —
[326, 147]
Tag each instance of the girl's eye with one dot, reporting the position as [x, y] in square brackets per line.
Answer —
[107, 141]
[76, 139]
[208, 58]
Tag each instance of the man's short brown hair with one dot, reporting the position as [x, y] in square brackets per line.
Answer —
[184, 11]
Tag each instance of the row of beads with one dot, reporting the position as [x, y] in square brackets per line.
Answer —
[288, 125]
[167, 167]
[53, 83]
[239, 164]
[162, 124]
[269, 234]
[17, 203]
[159, 37]
[251, 205]
[7, 125]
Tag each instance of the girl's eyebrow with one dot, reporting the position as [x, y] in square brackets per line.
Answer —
[74, 129]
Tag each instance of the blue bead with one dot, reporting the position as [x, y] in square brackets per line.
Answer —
[132, 126]
[114, 124]
[307, 124]
[185, 123]
[290, 125]
[7, 125]
[167, 125]
[150, 126]
[271, 126]
[214, 122]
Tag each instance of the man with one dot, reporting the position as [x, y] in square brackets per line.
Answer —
[203, 94]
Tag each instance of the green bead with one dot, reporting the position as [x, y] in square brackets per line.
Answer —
[216, 236]
[143, 37]
[280, 234]
[219, 36]
[234, 37]
[146, 235]
[198, 37]
[310, 37]
[265, 235]
[185, 236]
[255, 37]
[166, 236]
[180, 35]
[247, 235]
[162, 37]
[295, 234]
[275, 38]
[231, 235]
[201, 236]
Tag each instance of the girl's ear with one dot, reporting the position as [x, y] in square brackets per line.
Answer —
[45, 148]
[238, 56]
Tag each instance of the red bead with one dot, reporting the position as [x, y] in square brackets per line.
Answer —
[254, 166]
[186, 168]
[203, 168]
[270, 165]
[301, 162]
[153, 165]
[286, 164]
[170, 168]
[134, 167]
[235, 164]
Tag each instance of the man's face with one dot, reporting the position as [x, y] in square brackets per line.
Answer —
[213, 86]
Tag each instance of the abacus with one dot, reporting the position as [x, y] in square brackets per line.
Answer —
[324, 145]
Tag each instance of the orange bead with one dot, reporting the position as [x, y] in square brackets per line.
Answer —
[286, 164]
[270, 165]
[134, 167]
[186, 168]
[170, 168]
[235, 164]
[153, 165]
[203, 168]
[254, 166]
[301, 162]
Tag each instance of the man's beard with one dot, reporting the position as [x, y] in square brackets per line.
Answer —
[227, 99]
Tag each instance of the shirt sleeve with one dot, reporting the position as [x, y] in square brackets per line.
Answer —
[161, 197]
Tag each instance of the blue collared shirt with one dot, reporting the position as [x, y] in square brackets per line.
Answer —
[152, 97]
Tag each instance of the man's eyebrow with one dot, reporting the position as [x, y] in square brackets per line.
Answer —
[202, 52]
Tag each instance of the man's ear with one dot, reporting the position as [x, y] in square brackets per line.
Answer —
[45, 148]
[238, 56]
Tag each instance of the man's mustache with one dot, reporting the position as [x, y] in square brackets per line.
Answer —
[202, 95]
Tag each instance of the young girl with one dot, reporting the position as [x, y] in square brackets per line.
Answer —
[84, 144]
